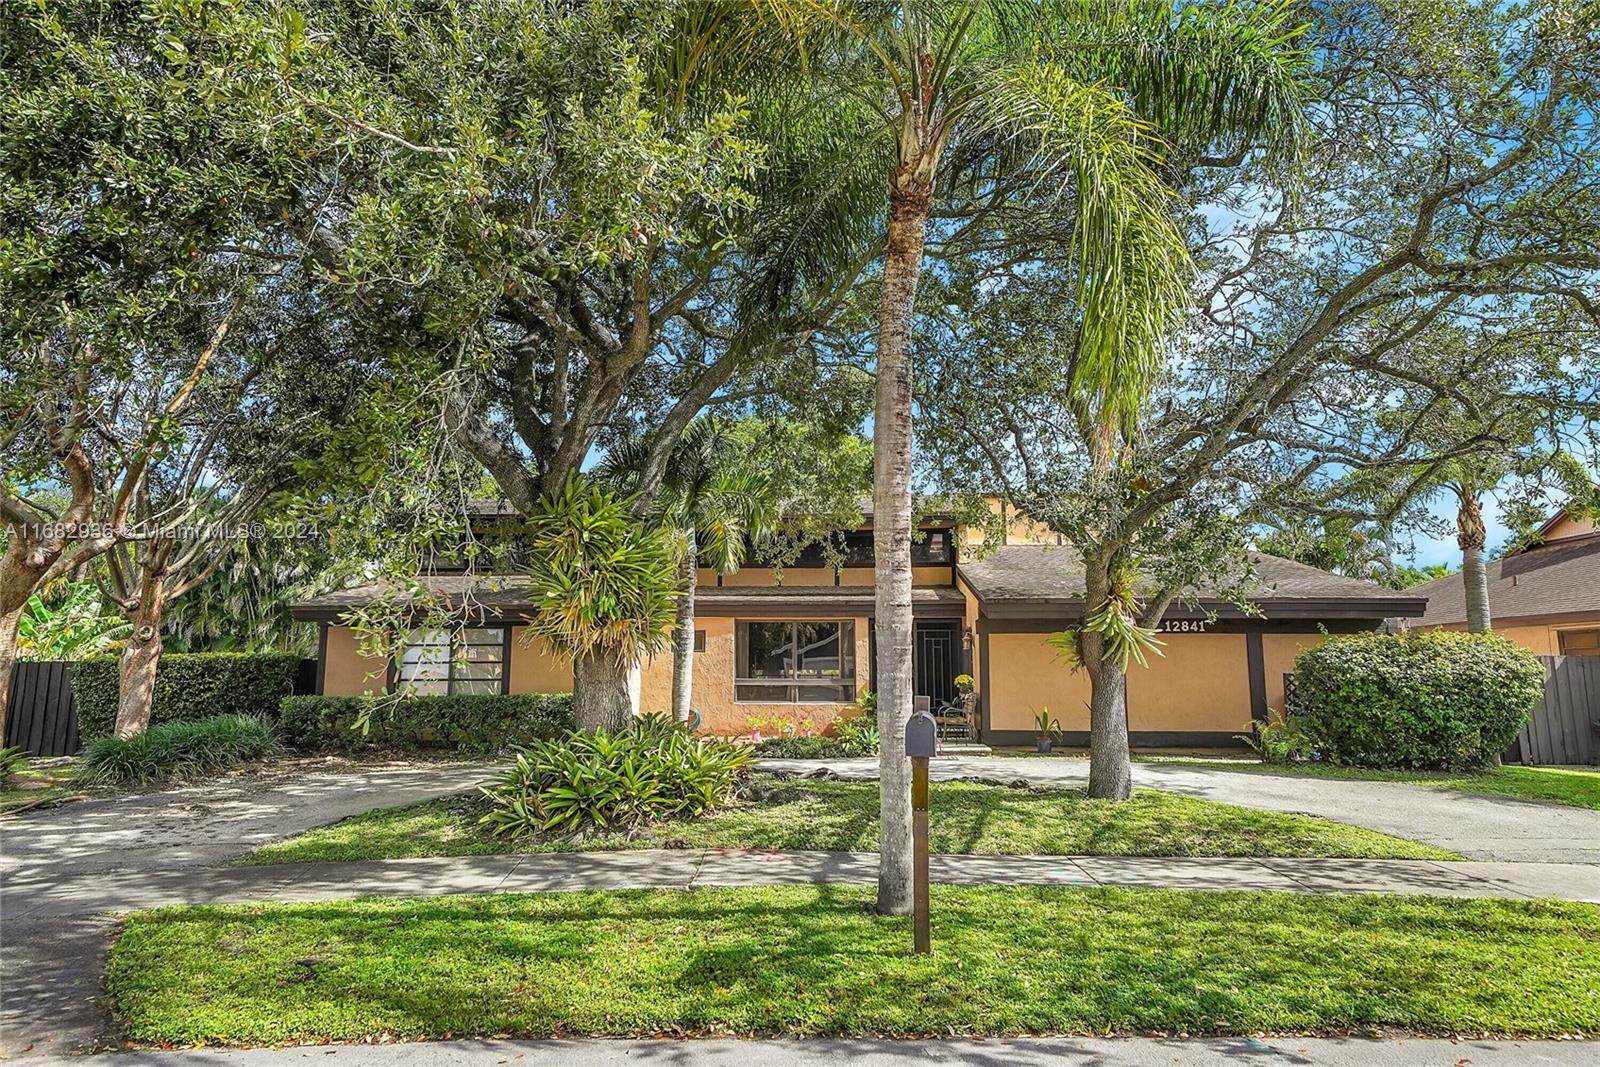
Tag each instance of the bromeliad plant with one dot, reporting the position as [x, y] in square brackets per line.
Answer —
[607, 781]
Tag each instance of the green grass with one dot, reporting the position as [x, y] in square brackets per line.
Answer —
[44, 785]
[1549, 785]
[964, 817]
[815, 960]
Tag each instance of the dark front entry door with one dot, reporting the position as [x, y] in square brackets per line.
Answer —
[936, 660]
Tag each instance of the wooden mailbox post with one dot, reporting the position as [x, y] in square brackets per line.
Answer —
[921, 742]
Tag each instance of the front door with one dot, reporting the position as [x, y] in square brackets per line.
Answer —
[936, 660]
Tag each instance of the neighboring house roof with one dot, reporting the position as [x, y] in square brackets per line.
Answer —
[1034, 580]
[510, 597]
[1555, 581]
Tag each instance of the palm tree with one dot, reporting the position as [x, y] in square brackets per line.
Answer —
[606, 586]
[716, 503]
[1080, 93]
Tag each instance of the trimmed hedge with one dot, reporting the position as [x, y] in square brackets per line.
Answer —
[189, 685]
[1441, 700]
[479, 723]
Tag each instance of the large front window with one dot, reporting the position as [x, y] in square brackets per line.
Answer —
[796, 662]
[436, 663]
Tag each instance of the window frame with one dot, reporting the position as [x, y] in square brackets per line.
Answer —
[1586, 631]
[457, 658]
[846, 684]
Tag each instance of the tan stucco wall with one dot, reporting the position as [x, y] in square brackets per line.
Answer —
[1541, 640]
[923, 576]
[1570, 527]
[1202, 683]
[1277, 659]
[1021, 529]
[1026, 676]
[346, 672]
[534, 668]
[713, 693]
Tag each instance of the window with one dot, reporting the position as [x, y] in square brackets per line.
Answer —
[699, 640]
[796, 662]
[435, 663]
[1580, 642]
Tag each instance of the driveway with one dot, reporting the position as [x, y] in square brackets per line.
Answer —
[50, 965]
[1481, 827]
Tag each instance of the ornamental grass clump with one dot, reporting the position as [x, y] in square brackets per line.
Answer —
[186, 749]
[648, 771]
[1439, 700]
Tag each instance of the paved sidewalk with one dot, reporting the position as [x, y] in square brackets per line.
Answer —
[1009, 1052]
[1481, 827]
[34, 899]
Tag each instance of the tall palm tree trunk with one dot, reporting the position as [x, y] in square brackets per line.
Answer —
[1110, 766]
[683, 636]
[1470, 536]
[909, 202]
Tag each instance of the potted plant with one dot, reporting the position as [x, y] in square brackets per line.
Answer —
[1047, 728]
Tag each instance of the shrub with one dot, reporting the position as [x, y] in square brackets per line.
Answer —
[1439, 699]
[187, 748]
[853, 735]
[797, 747]
[189, 685]
[613, 781]
[477, 723]
[857, 735]
[13, 760]
[1279, 742]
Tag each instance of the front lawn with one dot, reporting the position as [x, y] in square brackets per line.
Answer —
[1549, 785]
[37, 786]
[964, 817]
[815, 960]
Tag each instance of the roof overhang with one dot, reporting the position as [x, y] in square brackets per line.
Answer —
[1305, 609]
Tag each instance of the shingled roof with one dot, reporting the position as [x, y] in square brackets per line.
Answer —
[1019, 580]
[1553, 582]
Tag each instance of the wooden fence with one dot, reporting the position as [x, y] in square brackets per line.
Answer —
[43, 717]
[1565, 727]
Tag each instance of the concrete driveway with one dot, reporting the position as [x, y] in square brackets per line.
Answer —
[50, 966]
[1481, 827]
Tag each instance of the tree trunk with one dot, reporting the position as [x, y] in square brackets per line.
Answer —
[1470, 536]
[1110, 766]
[909, 203]
[605, 694]
[22, 567]
[683, 638]
[141, 657]
[9, 621]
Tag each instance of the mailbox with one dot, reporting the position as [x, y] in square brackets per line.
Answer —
[922, 736]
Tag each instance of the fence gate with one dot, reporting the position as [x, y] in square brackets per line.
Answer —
[43, 717]
[1565, 727]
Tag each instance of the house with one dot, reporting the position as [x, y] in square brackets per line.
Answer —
[795, 644]
[1544, 596]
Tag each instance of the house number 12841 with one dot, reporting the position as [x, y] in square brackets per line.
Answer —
[1184, 626]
